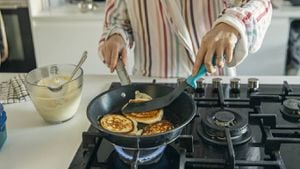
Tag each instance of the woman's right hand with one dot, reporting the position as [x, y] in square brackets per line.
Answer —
[111, 49]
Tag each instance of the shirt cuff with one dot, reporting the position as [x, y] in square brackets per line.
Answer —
[120, 31]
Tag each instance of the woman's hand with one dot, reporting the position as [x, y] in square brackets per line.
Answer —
[113, 48]
[217, 42]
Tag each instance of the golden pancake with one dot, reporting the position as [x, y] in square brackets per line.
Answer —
[117, 123]
[140, 95]
[135, 130]
[148, 117]
[158, 127]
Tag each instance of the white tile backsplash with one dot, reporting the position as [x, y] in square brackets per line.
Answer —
[46, 4]
[37, 6]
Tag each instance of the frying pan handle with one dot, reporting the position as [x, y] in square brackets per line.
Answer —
[192, 80]
[122, 73]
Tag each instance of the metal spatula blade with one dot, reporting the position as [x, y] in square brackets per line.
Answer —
[160, 102]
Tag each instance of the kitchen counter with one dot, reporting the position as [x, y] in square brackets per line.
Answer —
[34, 144]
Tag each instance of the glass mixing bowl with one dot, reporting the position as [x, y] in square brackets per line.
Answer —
[55, 106]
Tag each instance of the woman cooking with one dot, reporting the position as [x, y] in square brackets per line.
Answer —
[173, 38]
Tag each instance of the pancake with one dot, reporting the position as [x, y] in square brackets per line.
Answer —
[140, 95]
[135, 130]
[148, 117]
[128, 122]
[158, 127]
[117, 123]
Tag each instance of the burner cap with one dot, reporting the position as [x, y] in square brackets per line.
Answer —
[292, 105]
[291, 110]
[213, 124]
[224, 118]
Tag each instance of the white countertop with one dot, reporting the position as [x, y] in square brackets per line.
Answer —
[34, 144]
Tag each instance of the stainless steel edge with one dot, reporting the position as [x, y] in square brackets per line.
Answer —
[122, 73]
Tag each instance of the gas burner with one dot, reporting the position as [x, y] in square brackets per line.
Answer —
[168, 159]
[145, 157]
[213, 124]
[224, 118]
[291, 110]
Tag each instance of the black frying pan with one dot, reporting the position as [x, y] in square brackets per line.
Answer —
[180, 113]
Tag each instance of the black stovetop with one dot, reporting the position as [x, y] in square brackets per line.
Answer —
[275, 141]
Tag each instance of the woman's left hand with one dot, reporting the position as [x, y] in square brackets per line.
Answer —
[217, 42]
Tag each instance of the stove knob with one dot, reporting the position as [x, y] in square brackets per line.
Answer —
[253, 84]
[200, 87]
[180, 80]
[215, 83]
[200, 83]
[235, 85]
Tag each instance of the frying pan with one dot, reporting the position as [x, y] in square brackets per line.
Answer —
[180, 112]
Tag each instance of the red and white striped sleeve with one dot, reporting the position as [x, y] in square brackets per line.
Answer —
[252, 19]
[116, 21]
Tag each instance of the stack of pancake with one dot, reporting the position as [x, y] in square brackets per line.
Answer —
[127, 123]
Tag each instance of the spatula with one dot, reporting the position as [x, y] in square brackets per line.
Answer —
[164, 101]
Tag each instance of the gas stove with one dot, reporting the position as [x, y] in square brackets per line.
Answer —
[237, 126]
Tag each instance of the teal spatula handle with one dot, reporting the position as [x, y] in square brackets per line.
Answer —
[192, 80]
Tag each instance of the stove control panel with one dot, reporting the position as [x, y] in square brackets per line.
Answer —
[234, 88]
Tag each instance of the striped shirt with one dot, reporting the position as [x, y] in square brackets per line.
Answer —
[157, 50]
